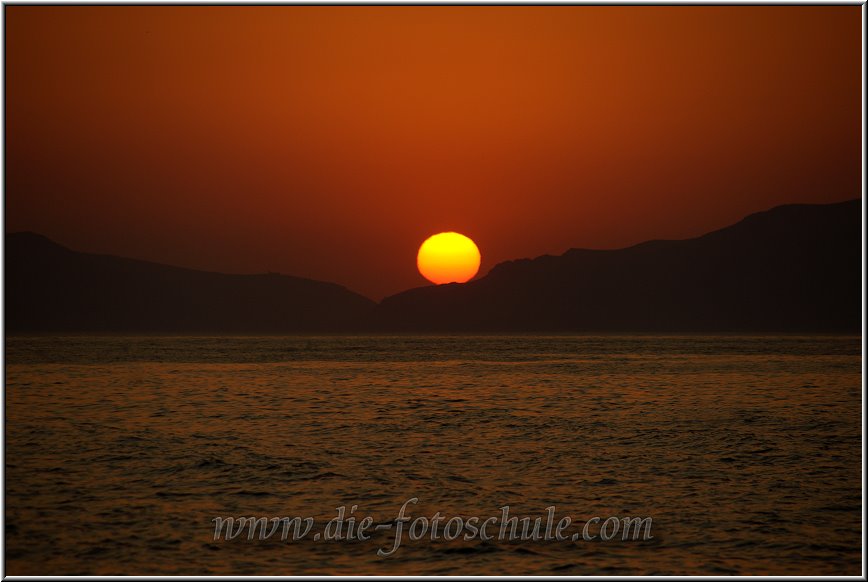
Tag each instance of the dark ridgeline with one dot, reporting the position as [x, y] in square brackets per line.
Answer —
[51, 288]
[792, 268]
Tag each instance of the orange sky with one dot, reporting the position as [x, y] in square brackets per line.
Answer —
[329, 142]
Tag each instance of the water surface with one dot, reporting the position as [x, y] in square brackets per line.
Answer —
[745, 451]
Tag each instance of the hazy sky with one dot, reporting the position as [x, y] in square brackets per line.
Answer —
[329, 142]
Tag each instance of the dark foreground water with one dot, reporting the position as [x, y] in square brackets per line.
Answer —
[745, 451]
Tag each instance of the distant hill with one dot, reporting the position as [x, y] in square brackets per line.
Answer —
[51, 288]
[792, 268]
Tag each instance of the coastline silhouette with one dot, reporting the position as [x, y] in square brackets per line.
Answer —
[791, 268]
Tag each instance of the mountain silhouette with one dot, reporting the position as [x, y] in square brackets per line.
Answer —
[51, 288]
[792, 268]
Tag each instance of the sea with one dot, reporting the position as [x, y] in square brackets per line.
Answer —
[122, 454]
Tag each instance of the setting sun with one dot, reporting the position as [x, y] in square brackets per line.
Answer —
[448, 257]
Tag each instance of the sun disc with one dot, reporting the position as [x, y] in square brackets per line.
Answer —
[448, 257]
